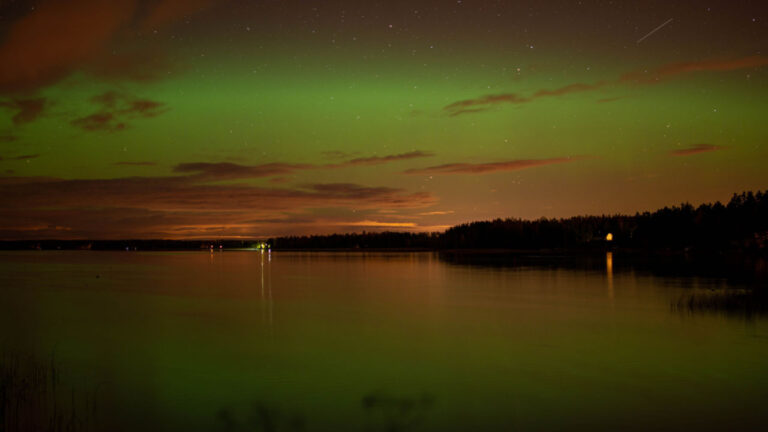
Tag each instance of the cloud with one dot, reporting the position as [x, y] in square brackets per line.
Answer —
[134, 163]
[125, 104]
[435, 213]
[57, 36]
[143, 107]
[376, 160]
[488, 100]
[228, 170]
[114, 109]
[193, 202]
[696, 149]
[378, 224]
[675, 69]
[98, 122]
[389, 197]
[484, 103]
[483, 168]
[27, 109]
[175, 206]
[336, 220]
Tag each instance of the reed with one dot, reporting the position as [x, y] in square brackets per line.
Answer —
[32, 397]
[746, 303]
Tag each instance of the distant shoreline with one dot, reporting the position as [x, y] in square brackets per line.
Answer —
[244, 246]
[740, 226]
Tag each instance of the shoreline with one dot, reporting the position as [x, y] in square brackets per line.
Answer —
[194, 246]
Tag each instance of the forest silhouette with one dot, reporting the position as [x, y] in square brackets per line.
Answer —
[740, 224]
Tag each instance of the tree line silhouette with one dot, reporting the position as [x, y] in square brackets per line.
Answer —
[742, 223]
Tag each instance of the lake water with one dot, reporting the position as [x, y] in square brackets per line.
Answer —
[284, 341]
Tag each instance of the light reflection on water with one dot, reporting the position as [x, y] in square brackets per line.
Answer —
[267, 304]
[383, 341]
[609, 272]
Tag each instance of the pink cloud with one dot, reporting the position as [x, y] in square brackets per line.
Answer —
[696, 149]
[59, 37]
[484, 103]
[376, 160]
[176, 206]
[483, 168]
[55, 38]
[674, 69]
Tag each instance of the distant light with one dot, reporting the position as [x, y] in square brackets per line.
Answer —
[609, 237]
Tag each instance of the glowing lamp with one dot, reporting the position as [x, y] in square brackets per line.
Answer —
[609, 237]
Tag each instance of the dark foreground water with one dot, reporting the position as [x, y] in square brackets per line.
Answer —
[381, 342]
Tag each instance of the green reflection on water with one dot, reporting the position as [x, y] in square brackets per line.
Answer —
[362, 341]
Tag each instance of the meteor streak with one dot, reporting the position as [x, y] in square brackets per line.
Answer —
[655, 30]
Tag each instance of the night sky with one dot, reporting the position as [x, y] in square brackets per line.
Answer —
[202, 119]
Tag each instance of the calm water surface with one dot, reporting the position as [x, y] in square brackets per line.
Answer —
[380, 341]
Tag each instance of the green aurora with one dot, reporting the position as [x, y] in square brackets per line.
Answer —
[229, 119]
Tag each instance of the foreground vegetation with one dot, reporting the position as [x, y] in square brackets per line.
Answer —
[745, 303]
[32, 398]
